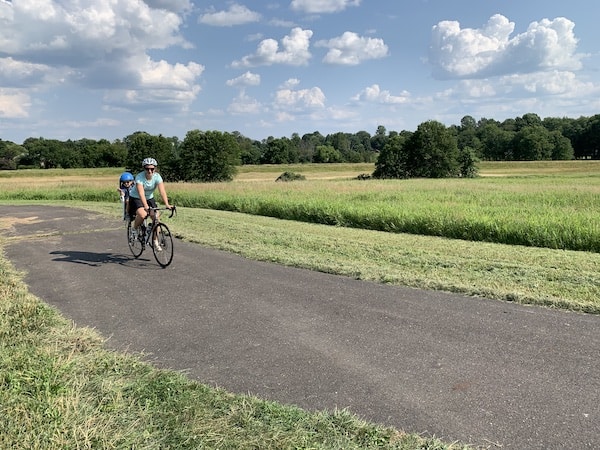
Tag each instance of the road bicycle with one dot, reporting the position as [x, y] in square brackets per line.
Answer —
[153, 234]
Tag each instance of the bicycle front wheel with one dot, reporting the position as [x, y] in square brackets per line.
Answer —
[136, 245]
[162, 245]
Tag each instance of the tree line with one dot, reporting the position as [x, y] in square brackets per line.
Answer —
[213, 155]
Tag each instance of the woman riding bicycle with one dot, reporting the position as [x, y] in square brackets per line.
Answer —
[141, 198]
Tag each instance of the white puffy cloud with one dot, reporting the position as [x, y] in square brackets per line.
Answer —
[73, 34]
[322, 6]
[290, 99]
[162, 75]
[15, 73]
[294, 51]
[246, 79]
[160, 83]
[351, 49]
[235, 15]
[243, 104]
[14, 104]
[457, 52]
[290, 83]
[103, 44]
[374, 94]
[549, 85]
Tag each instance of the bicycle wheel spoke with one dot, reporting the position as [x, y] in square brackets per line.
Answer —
[163, 253]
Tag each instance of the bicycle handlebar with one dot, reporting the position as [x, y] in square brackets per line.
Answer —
[173, 210]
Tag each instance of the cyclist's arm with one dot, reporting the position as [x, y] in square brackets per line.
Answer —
[163, 194]
[142, 194]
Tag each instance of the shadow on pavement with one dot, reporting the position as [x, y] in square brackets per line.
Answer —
[97, 259]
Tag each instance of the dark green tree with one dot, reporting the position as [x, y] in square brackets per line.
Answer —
[392, 160]
[432, 152]
[589, 138]
[532, 143]
[467, 135]
[208, 156]
[10, 154]
[563, 150]
[279, 151]
[142, 145]
[308, 145]
[379, 139]
[495, 142]
[327, 154]
[468, 160]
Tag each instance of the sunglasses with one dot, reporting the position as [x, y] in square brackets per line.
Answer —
[150, 169]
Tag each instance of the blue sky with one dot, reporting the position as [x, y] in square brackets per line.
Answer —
[72, 69]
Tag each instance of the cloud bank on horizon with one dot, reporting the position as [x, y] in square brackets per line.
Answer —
[99, 68]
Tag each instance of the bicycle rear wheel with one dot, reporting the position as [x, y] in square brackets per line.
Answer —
[163, 253]
[135, 243]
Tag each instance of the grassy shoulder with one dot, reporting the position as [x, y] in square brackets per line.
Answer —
[62, 389]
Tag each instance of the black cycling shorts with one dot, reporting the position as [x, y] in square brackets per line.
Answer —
[136, 203]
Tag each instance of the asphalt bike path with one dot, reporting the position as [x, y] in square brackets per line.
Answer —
[483, 372]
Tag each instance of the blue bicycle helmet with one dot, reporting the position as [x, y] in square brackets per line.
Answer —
[126, 176]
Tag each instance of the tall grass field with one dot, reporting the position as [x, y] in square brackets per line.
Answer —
[553, 205]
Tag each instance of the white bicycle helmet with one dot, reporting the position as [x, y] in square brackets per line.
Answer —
[149, 161]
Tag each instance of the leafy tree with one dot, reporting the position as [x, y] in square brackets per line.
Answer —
[327, 154]
[111, 154]
[563, 150]
[50, 153]
[208, 156]
[142, 145]
[589, 139]
[467, 160]
[532, 143]
[308, 145]
[339, 141]
[9, 155]
[495, 142]
[279, 151]
[392, 160]
[432, 152]
[467, 135]
[380, 138]
[528, 120]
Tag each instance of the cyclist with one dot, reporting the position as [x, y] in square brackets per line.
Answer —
[124, 189]
[141, 198]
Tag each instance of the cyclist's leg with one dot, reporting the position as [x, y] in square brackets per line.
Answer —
[153, 215]
[136, 208]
